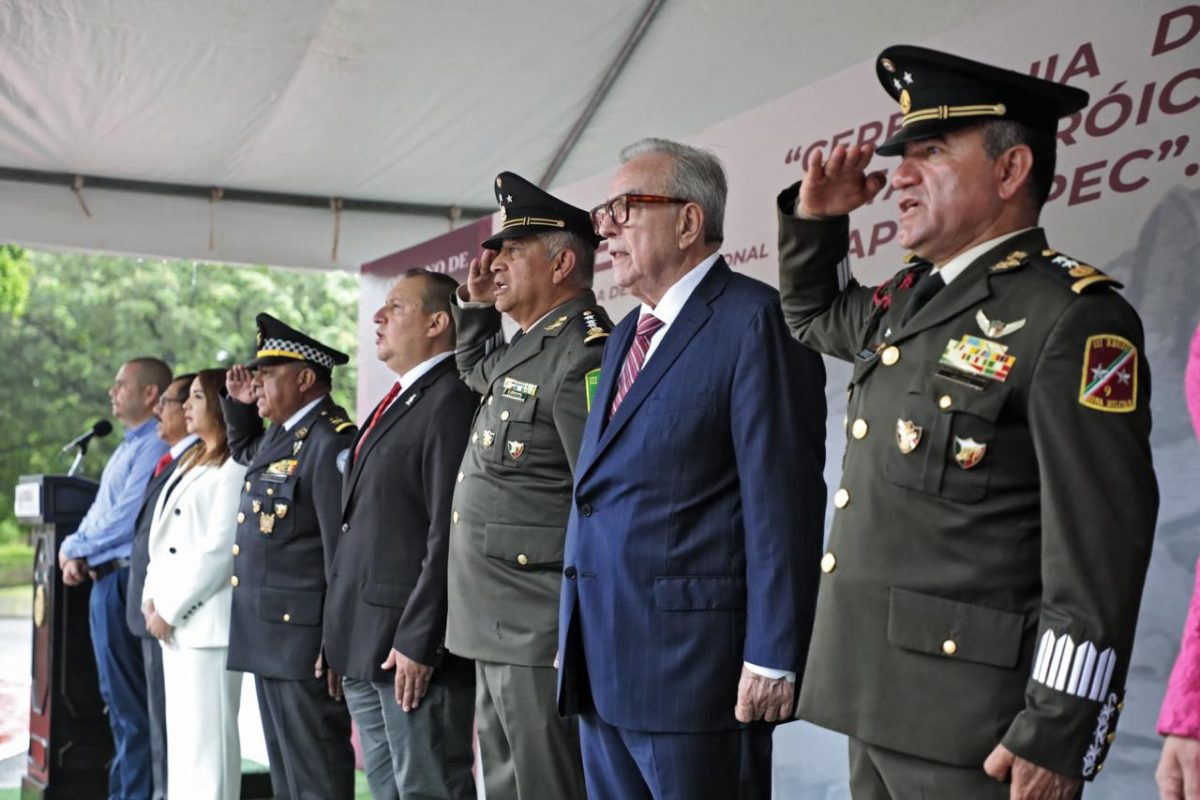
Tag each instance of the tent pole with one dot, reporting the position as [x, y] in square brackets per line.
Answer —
[610, 76]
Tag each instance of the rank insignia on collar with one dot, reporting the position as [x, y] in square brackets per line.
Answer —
[302, 432]
[908, 435]
[558, 323]
[1011, 261]
[977, 356]
[518, 390]
[968, 452]
[994, 328]
[488, 438]
[1109, 380]
[515, 449]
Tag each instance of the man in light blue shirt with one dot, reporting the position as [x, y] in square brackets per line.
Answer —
[100, 549]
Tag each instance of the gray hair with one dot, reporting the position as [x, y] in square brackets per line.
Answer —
[585, 253]
[696, 175]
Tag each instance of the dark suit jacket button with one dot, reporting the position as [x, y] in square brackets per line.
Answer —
[178, 512]
[585, 509]
[345, 527]
[570, 573]
[171, 550]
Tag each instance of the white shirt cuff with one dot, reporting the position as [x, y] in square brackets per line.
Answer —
[773, 674]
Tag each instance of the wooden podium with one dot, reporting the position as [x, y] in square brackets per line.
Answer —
[70, 744]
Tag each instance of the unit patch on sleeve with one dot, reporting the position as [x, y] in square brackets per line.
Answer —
[1109, 380]
[591, 382]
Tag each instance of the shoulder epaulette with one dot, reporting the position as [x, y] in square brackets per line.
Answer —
[595, 329]
[1064, 269]
[339, 424]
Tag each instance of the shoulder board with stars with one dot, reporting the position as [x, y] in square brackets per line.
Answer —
[1069, 271]
[595, 329]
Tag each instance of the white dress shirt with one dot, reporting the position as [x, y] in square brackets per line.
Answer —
[954, 267]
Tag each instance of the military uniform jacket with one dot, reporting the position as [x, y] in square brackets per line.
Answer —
[513, 495]
[287, 531]
[387, 588]
[997, 503]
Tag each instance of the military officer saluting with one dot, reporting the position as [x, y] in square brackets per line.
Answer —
[514, 490]
[997, 504]
[288, 524]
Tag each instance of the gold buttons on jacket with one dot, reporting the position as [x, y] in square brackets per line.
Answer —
[287, 617]
[841, 498]
[247, 486]
[504, 414]
[236, 549]
[522, 559]
[945, 401]
[1112, 737]
[949, 647]
[454, 517]
[859, 429]
[241, 517]
[460, 476]
[828, 562]
[233, 581]
[270, 491]
[490, 399]
[890, 355]
[474, 437]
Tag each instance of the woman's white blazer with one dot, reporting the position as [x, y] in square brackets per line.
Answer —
[191, 552]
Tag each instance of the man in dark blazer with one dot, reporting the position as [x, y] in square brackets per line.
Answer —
[172, 429]
[690, 569]
[996, 509]
[385, 617]
[286, 535]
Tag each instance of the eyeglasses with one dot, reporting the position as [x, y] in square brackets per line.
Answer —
[164, 400]
[617, 209]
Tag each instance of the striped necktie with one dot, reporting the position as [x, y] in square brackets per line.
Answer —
[647, 325]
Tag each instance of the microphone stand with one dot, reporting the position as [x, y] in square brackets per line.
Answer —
[77, 464]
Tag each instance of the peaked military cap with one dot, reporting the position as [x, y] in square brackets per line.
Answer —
[526, 210]
[278, 343]
[939, 92]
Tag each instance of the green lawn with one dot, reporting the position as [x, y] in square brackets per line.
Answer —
[16, 565]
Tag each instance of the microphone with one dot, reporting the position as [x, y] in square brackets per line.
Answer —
[101, 428]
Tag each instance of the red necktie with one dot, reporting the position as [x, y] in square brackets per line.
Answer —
[647, 325]
[383, 406]
[162, 464]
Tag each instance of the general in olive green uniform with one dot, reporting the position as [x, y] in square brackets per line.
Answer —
[288, 524]
[510, 510]
[997, 505]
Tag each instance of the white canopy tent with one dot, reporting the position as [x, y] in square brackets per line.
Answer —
[229, 131]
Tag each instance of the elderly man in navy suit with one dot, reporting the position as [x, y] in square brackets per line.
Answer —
[690, 570]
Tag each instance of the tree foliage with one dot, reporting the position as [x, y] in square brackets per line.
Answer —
[86, 314]
[15, 270]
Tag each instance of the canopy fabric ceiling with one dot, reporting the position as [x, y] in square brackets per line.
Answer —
[402, 102]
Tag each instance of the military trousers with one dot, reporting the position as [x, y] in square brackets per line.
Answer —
[307, 733]
[528, 752]
[877, 773]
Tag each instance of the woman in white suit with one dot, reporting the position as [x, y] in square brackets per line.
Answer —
[186, 602]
